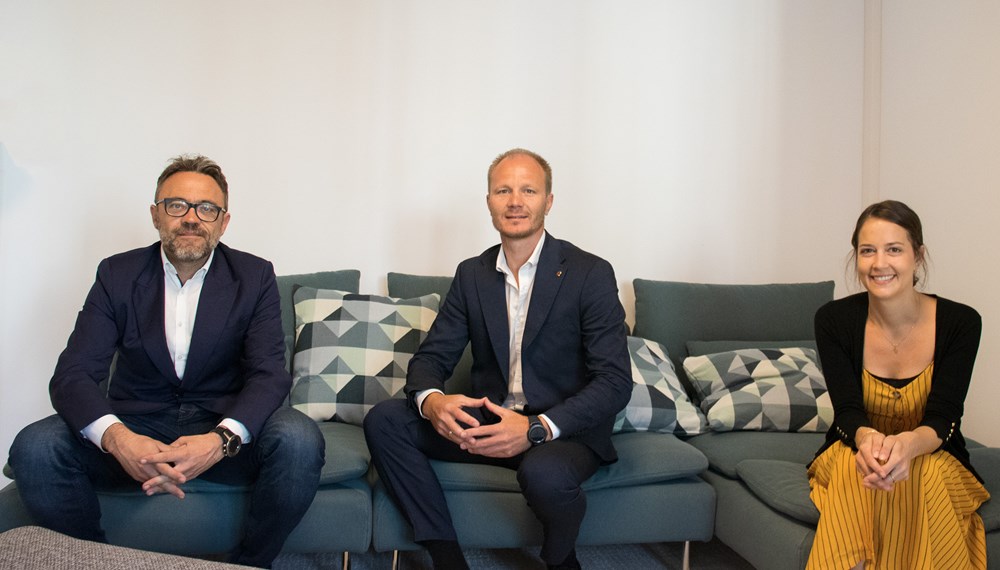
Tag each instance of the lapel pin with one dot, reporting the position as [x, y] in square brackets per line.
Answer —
[559, 273]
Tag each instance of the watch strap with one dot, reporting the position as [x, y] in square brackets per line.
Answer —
[231, 442]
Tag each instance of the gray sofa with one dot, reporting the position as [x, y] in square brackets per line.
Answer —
[747, 488]
[763, 509]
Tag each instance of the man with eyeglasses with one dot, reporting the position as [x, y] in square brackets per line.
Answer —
[196, 389]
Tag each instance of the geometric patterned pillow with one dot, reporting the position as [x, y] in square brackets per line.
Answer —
[659, 403]
[351, 350]
[771, 389]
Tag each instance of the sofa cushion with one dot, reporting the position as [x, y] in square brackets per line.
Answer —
[725, 450]
[347, 455]
[344, 280]
[406, 285]
[784, 486]
[780, 389]
[672, 313]
[702, 347]
[644, 458]
[659, 402]
[986, 460]
[781, 485]
[351, 350]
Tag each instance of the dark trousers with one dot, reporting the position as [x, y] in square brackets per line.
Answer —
[57, 473]
[402, 445]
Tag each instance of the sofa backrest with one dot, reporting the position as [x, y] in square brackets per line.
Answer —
[404, 286]
[674, 313]
[345, 280]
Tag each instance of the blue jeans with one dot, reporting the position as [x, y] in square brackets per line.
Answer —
[57, 473]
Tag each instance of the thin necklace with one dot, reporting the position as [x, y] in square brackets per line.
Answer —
[895, 345]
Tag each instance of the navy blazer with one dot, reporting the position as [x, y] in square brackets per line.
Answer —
[574, 355]
[236, 363]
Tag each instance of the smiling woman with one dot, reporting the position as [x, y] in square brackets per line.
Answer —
[898, 364]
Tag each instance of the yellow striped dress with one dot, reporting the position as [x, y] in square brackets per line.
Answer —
[926, 522]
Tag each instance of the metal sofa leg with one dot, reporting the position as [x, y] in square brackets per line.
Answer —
[347, 560]
[687, 555]
[395, 560]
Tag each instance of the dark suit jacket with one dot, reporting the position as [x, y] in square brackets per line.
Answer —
[574, 355]
[236, 363]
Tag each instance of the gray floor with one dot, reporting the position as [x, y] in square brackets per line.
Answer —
[704, 556]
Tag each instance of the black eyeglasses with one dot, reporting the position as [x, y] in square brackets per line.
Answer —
[178, 208]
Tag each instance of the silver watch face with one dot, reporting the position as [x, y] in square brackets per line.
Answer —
[231, 442]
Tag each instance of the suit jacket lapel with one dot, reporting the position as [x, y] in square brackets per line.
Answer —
[548, 278]
[218, 294]
[491, 287]
[147, 299]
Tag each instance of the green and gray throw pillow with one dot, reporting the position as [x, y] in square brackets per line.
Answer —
[351, 350]
[762, 389]
[658, 402]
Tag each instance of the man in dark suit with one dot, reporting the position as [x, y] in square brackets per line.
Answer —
[197, 385]
[550, 371]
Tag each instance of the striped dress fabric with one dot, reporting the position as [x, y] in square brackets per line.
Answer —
[926, 522]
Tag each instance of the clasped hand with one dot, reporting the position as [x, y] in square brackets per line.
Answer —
[883, 460]
[162, 468]
[506, 438]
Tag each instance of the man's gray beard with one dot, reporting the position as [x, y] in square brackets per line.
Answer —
[190, 253]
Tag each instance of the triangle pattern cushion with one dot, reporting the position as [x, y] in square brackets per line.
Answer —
[659, 402]
[351, 350]
[779, 389]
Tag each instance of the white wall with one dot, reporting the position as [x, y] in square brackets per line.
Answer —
[941, 155]
[703, 141]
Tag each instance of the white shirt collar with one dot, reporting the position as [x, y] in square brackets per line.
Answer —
[532, 260]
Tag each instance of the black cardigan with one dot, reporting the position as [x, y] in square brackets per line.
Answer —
[840, 338]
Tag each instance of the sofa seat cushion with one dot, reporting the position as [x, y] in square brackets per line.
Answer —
[726, 450]
[781, 485]
[347, 454]
[784, 486]
[986, 460]
[644, 458]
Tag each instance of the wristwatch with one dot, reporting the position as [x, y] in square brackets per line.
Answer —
[231, 442]
[536, 430]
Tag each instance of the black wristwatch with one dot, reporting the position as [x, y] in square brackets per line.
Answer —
[536, 430]
[231, 442]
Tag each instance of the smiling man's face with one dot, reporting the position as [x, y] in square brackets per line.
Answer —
[187, 239]
[517, 199]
